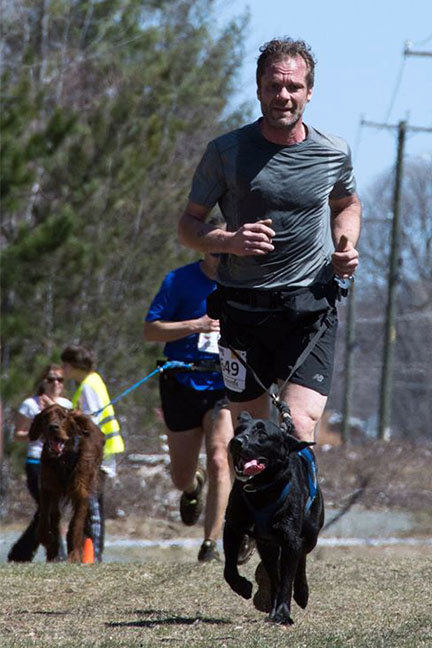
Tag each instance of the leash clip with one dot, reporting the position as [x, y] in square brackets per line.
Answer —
[343, 285]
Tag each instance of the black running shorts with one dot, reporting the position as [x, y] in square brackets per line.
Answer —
[184, 408]
[271, 342]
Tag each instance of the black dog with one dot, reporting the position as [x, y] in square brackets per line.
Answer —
[271, 501]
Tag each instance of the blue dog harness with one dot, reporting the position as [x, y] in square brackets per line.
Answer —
[308, 456]
[263, 515]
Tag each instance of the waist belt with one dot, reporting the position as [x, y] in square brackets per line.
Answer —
[271, 299]
[195, 365]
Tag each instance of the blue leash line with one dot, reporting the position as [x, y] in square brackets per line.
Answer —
[171, 364]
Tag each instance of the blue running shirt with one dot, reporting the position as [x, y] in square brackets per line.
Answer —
[182, 296]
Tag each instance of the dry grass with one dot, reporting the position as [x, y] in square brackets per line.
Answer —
[359, 599]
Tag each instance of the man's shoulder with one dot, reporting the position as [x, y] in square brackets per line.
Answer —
[328, 140]
[231, 139]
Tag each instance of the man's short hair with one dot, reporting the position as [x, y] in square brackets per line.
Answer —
[79, 357]
[277, 49]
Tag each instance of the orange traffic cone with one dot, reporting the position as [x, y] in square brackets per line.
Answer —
[88, 551]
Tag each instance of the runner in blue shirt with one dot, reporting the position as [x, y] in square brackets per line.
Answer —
[193, 403]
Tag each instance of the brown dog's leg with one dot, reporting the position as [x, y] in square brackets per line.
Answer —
[44, 518]
[75, 534]
[51, 540]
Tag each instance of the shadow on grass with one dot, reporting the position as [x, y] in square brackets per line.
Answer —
[45, 612]
[163, 618]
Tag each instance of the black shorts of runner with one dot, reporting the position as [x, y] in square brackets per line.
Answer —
[184, 408]
[272, 342]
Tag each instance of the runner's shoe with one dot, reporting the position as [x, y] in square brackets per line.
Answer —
[208, 551]
[247, 549]
[191, 504]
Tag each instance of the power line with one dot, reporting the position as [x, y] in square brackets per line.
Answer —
[396, 87]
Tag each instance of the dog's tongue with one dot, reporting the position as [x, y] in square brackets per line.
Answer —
[253, 468]
[57, 446]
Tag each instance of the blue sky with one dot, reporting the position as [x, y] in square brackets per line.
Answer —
[361, 70]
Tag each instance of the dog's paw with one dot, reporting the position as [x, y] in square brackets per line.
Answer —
[74, 556]
[281, 615]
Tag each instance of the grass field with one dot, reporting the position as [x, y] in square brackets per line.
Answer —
[365, 598]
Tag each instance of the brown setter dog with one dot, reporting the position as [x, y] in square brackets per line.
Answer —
[70, 463]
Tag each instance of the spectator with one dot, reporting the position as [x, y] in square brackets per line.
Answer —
[92, 398]
[49, 390]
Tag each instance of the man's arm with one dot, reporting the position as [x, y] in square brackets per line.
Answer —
[163, 331]
[249, 239]
[345, 227]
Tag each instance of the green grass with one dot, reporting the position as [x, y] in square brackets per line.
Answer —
[364, 599]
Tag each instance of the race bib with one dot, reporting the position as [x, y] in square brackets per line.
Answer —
[208, 342]
[234, 373]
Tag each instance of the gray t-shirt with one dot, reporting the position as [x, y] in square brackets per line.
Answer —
[252, 179]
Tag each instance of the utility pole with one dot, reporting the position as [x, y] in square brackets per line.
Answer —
[393, 278]
[409, 52]
[390, 329]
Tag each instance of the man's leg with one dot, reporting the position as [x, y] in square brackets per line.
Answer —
[218, 433]
[184, 449]
[257, 408]
[306, 407]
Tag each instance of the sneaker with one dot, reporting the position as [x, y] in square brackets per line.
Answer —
[247, 549]
[191, 504]
[262, 598]
[208, 551]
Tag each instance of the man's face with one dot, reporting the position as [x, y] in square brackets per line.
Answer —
[283, 92]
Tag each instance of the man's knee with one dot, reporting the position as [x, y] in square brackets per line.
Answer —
[304, 425]
[183, 480]
[217, 464]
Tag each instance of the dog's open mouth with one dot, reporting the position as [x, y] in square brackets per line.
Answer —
[249, 468]
[56, 446]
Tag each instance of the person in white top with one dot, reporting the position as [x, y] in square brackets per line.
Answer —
[49, 390]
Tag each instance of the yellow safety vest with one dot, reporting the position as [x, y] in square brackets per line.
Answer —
[107, 420]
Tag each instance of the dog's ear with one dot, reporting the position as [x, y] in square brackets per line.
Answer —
[80, 422]
[295, 445]
[243, 417]
[37, 427]
[83, 423]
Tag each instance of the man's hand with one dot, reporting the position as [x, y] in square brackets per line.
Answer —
[206, 324]
[252, 239]
[345, 258]
[45, 401]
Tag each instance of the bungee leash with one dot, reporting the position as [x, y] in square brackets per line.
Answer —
[170, 364]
